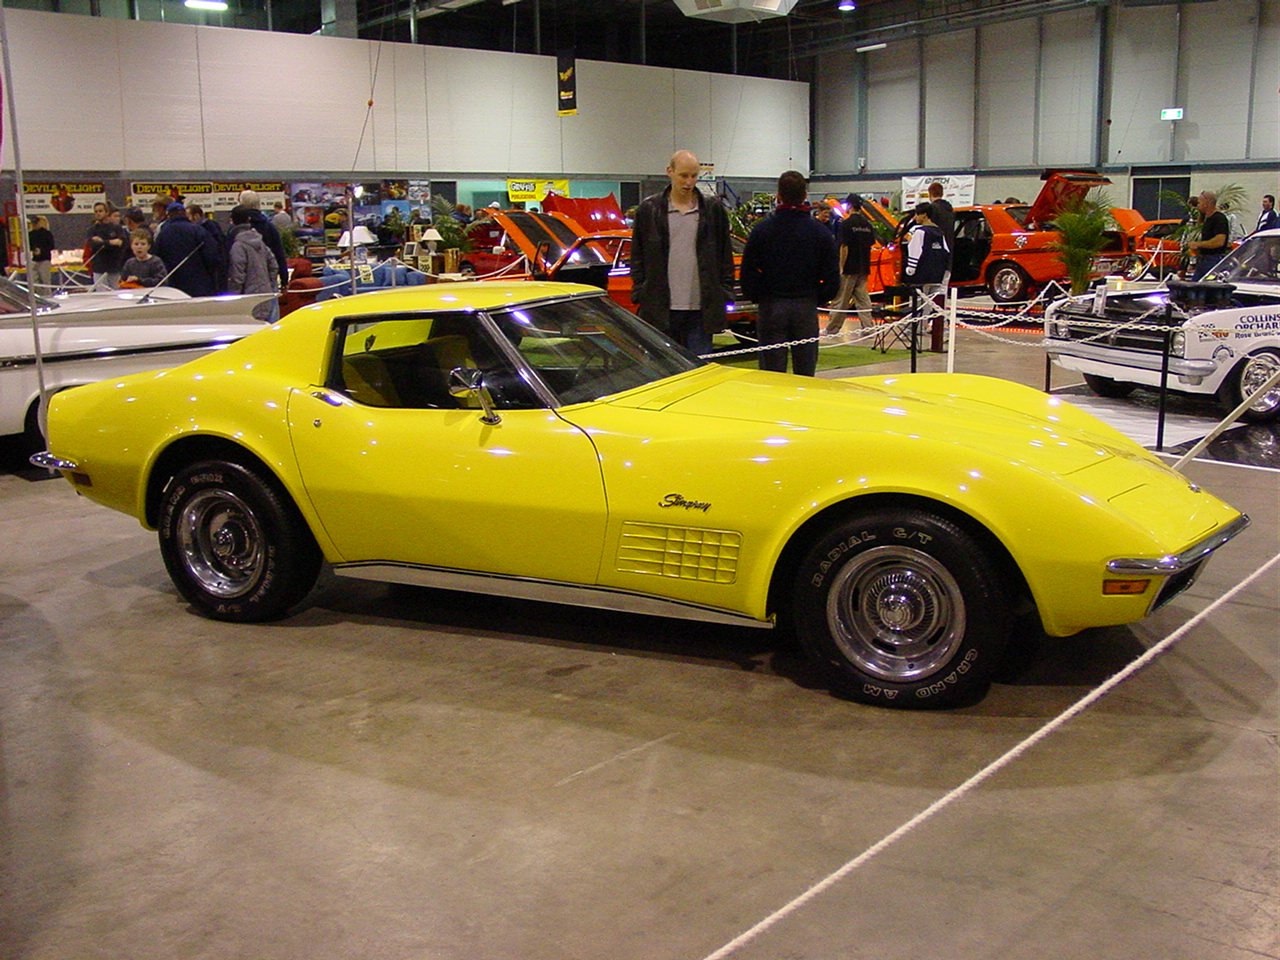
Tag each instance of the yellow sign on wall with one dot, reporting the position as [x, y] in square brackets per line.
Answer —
[533, 191]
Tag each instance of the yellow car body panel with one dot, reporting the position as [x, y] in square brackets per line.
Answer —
[689, 488]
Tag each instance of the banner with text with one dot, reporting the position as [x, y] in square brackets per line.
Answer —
[46, 197]
[958, 188]
[533, 191]
[566, 84]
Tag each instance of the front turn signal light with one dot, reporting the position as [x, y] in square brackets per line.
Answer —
[1124, 588]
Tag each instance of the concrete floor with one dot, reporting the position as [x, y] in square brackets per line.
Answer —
[415, 774]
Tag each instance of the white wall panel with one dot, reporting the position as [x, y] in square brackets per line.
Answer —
[492, 112]
[1265, 131]
[1216, 60]
[893, 107]
[758, 127]
[277, 101]
[1007, 84]
[636, 104]
[948, 100]
[407, 148]
[67, 87]
[1142, 82]
[690, 118]
[836, 91]
[162, 121]
[1068, 89]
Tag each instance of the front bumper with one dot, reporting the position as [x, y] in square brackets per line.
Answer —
[1066, 352]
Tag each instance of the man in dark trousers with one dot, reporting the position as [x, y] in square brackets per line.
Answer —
[857, 236]
[789, 267]
[681, 259]
[944, 216]
[1213, 244]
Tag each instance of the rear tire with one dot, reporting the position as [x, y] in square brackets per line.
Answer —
[234, 544]
[1008, 283]
[902, 608]
[1106, 387]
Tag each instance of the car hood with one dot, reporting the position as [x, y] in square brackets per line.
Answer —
[1003, 418]
[590, 213]
[1062, 187]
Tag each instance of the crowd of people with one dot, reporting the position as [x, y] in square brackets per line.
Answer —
[179, 246]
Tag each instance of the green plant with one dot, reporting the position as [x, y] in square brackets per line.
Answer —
[395, 223]
[453, 232]
[1231, 196]
[289, 240]
[1082, 233]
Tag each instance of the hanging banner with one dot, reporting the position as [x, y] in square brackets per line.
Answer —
[958, 188]
[143, 192]
[226, 193]
[566, 83]
[46, 197]
[532, 191]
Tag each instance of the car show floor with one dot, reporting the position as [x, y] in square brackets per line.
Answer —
[400, 773]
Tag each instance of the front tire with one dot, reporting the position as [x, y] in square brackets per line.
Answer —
[234, 544]
[1106, 387]
[902, 608]
[1251, 374]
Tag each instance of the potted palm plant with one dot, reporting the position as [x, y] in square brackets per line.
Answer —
[1082, 234]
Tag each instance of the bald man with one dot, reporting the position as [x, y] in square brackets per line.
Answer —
[681, 259]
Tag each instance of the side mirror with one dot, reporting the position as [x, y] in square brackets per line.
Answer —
[467, 383]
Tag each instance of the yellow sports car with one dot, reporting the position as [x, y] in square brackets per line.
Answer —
[537, 440]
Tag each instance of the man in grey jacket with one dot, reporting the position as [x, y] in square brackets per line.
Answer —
[251, 265]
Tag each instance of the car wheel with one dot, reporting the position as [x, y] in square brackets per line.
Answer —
[903, 608]
[1135, 268]
[1106, 387]
[234, 544]
[1251, 374]
[1008, 283]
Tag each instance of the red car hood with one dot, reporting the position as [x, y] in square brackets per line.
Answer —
[590, 213]
[1061, 187]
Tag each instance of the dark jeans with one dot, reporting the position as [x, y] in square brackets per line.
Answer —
[688, 331]
[1204, 263]
[786, 319]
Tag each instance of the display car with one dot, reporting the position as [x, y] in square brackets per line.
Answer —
[1154, 247]
[1223, 333]
[94, 335]
[1008, 247]
[536, 440]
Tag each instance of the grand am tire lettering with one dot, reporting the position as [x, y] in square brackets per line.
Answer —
[902, 607]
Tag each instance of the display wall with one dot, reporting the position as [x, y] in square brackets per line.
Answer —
[1038, 92]
[144, 96]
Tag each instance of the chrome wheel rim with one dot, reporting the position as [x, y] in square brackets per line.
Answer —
[222, 544]
[1257, 371]
[896, 614]
[1007, 283]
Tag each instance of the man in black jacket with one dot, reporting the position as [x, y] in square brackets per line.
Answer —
[267, 230]
[681, 260]
[789, 267]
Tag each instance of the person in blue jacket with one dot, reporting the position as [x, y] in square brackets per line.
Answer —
[188, 254]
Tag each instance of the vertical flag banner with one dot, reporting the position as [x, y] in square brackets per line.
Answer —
[566, 83]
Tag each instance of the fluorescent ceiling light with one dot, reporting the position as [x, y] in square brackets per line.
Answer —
[846, 5]
[867, 48]
[219, 6]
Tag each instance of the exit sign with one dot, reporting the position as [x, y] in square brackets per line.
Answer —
[1171, 113]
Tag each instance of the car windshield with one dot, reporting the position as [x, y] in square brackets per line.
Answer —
[588, 348]
[1257, 260]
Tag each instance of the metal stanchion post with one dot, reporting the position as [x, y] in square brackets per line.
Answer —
[1164, 392]
[915, 324]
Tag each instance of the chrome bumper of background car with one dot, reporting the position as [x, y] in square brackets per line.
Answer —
[1192, 370]
[50, 462]
[600, 598]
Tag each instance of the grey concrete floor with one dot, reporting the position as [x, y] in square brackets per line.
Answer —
[416, 774]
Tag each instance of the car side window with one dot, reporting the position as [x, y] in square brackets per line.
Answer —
[406, 362]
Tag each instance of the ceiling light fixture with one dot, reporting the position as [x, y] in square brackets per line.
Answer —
[867, 48]
[218, 6]
[846, 5]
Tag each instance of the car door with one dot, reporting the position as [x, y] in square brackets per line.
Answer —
[399, 470]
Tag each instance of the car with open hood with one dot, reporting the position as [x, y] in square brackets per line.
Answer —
[1007, 248]
[536, 440]
[88, 336]
[1222, 334]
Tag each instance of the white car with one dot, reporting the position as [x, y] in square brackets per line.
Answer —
[1223, 332]
[94, 336]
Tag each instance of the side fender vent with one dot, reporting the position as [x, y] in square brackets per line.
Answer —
[685, 553]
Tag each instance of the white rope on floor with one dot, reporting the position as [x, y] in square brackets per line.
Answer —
[989, 770]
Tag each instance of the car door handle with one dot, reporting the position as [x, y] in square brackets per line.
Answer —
[327, 397]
